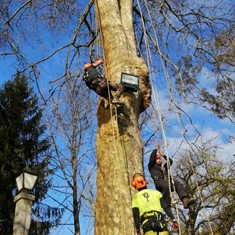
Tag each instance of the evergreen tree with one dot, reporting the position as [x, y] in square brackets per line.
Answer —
[22, 144]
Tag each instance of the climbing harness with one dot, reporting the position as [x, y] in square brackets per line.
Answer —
[153, 221]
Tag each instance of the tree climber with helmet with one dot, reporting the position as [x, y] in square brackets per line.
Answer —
[102, 86]
[147, 207]
[159, 174]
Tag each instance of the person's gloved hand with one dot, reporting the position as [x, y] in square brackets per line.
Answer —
[175, 225]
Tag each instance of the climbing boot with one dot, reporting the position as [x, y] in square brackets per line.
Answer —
[187, 202]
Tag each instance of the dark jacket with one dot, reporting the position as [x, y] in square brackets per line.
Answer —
[155, 170]
[157, 174]
[92, 77]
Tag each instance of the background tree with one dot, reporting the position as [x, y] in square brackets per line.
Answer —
[72, 131]
[23, 143]
[209, 180]
[223, 102]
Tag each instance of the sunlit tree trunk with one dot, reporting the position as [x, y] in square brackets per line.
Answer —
[119, 145]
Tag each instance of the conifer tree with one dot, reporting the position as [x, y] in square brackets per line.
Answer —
[23, 143]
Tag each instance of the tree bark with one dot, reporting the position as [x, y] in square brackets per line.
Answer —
[119, 145]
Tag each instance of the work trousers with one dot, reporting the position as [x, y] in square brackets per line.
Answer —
[163, 186]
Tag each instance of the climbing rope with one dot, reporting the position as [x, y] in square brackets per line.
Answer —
[116, 115]
[155, 94]
[156, 99]
[99, 50]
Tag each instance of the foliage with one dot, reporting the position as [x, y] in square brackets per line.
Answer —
[22, 143]
[221, 100]
[222, 103]
[211, 182]
[73, 127]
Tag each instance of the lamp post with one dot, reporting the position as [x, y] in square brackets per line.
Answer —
[25, 182]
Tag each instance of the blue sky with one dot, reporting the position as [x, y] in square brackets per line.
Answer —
[209, 125]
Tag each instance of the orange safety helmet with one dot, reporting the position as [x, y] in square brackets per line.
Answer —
[158, 156]
[138, 181]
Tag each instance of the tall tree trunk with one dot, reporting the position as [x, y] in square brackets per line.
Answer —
[119, 145]
[76, 203]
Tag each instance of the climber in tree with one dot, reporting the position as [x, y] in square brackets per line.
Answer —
[159, 174]
[147, 207]
[102, 86]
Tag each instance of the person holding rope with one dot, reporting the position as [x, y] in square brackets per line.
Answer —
[102, 86]
[147, 207]
[159, 174]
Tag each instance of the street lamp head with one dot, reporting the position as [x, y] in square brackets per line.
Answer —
[26, 180]
[130, 81]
